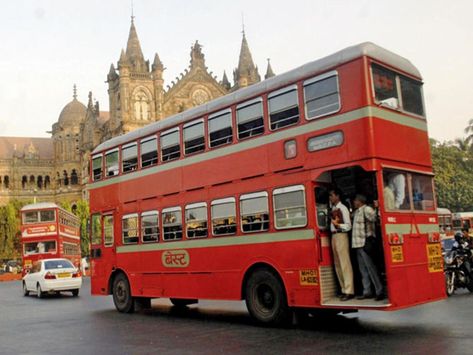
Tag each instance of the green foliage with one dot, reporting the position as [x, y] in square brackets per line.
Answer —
[453, 167]
[82, 211]
[10, 242]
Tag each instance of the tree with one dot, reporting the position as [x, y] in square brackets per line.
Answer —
[10, 236]
[469, 133]
[82, 211]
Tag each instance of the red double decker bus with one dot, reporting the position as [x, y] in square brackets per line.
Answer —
[229, 200]
[48, 231]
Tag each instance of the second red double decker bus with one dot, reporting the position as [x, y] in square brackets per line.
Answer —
[229, 200]
[48, 231]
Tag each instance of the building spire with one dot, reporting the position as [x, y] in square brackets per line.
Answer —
[246, 73]
[269, 70]
[132, 15]
[133, 49]
[74, 92]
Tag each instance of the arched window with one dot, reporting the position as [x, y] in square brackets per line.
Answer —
[66, 178]
[24, 181]
[74, 177]
[32, 179]
[141, 105]
[39, 182]
[6, 181]
[58, 179]
[47, 182]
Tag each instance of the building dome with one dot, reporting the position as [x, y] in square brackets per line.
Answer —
[73, 113]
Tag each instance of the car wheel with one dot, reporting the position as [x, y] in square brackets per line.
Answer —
[75, 293]
[122, 294]
[266, 298]
[25, 290]
[39, 292]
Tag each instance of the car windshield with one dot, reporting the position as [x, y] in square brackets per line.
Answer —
[57, 264]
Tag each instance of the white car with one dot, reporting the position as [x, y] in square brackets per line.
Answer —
[52, 276]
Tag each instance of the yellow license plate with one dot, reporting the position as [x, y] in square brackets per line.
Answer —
[64, 274]
[308, 277]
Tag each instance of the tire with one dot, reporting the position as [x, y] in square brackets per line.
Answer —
[265, 298]
[25, 290]
[75, 292]
[39, 292]
[182, 302]
[450, 282]
[121, 291]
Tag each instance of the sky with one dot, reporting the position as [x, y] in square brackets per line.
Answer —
[46, 46]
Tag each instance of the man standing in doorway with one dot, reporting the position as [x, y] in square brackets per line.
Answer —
[363, 243]
[340, 226]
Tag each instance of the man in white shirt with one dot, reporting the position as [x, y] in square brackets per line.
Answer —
[397, 184]
[340, 226]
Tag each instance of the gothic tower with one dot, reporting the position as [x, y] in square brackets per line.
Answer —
[135, 92]
[247, 73]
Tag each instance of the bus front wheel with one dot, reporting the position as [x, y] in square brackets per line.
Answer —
[121, 291]
[266, 298]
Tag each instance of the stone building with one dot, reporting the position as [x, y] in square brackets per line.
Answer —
[56, 168]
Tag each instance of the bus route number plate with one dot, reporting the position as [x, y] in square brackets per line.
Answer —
[308, 277]
[434, 256]
[397, 255]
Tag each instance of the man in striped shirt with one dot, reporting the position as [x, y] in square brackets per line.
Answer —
[362, 230]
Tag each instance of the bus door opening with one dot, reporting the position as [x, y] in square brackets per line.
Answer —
[351, 181]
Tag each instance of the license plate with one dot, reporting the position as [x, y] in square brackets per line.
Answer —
[64, 274]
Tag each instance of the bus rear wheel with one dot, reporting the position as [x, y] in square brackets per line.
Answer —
[266, 298]
[182, 302]
[121, 291]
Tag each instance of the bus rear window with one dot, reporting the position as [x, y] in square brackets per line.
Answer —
[96, 229]
[97, 168]
[283, 108]
[39, 247]
[30, 217]
[397, 91]
[422, 193]
[396, 190]
[47, 216]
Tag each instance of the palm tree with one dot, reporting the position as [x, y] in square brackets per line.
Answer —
[469, 132]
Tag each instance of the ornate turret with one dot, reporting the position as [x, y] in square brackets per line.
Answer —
[246, 73]
[197, 57]
[269, 71]
[133, 51]
[225, 83]
[112, 73]
[157, 64]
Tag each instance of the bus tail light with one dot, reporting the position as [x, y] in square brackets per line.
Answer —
[395, 238]
[49, 276]
[434, 237]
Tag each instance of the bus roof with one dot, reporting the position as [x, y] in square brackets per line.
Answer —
[39, 206]
[368, 49]
[442, 210]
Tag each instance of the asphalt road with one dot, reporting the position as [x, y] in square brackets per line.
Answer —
[91, 325]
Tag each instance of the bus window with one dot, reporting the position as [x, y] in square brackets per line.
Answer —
[422, 192]
[71, 249]
[30, 217]
[395, 192]
[194, 140]
[129, 157]
[97, 167]
[250, 119]
[150, 226]
[111, 163]
[172, 223]
[385, 85]
[96, 229]
[321, 95]
[108, 230]
[411, 94]
[224, 216]
[196, 220]
[170, 145]
[39, 247]
[283, 108]
[149, 152]
[289, 207]
[254, 212]
[47, 216]
[130, 229]
[220, 128]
